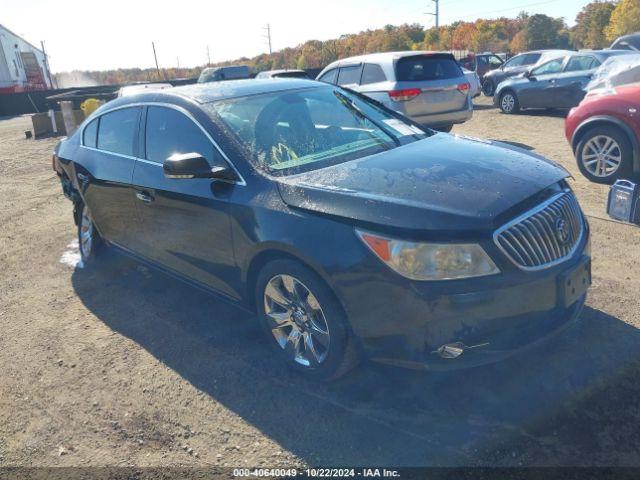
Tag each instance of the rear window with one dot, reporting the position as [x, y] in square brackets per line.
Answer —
[117, 131]
[292, 75]
[427, 67]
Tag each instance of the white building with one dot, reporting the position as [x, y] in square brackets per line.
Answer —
[23, 67]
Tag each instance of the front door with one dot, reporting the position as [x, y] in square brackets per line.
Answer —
[185, 223]
[538, 91]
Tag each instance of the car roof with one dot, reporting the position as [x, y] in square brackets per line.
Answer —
[213, 91]
[384, 57]
[283, 70]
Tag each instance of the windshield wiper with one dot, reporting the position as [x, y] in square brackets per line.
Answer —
[349, 103]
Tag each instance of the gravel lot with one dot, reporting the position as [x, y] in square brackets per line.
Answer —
[124, 366]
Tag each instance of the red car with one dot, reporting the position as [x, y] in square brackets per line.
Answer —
[604, 132]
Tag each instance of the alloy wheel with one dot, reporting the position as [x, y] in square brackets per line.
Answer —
[601, 156]
[507, 103]
[296, 320]
[86, 233]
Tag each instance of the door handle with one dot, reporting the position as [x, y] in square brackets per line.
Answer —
[144, 197]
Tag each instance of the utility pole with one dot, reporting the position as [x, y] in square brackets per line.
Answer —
[46, 64]
[437, 12]
[156, 59]
[208, 57]
[178, 62]
[268, 37]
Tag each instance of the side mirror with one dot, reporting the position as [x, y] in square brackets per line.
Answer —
[193, 165]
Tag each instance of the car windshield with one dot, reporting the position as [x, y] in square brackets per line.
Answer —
[294, 130]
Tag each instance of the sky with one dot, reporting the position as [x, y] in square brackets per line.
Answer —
[101, 35]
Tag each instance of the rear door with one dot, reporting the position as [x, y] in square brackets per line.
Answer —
[437, 78]
[349, 76]
[109, 147]
[184, 222]
[570, 84]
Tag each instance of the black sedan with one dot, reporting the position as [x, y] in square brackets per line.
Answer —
[557, 83]
[351, 231]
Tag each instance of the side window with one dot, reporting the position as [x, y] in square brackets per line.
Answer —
[169, 131]
[516, 61]
[578, 63]
[553, 66]
[349, 75]
[372, 73]
[531, 58]
[116, 132]
[330, 76]
[89, 137]
[495, 61]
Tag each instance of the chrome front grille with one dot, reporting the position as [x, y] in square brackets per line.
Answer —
[544, 236]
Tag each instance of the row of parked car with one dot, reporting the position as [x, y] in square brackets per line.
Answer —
[436, 90]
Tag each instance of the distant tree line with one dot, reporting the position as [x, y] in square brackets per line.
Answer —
[597, 25]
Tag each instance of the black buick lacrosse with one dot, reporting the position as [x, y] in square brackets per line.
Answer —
[351, 231]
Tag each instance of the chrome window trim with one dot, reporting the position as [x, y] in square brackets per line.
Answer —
[178, 108]
[530, 213]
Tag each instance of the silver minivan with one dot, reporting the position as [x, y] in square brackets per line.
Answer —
[428, 87]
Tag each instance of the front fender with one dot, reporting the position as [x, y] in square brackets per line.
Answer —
[608, 119]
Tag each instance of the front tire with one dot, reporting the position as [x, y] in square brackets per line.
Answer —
[89, 240]
[604, 155]
[304, 322]
[488, 88]
[509, 102]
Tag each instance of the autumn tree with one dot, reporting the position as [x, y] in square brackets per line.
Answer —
[625, 19]
[542, 31]
[589, 31]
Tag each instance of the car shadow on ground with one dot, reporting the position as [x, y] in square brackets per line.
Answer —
[559, 404]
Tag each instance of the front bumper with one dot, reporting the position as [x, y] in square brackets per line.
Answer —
[492, 318]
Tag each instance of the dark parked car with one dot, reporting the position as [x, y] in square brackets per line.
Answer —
[348, 228]
[218, 74]
[515, 66]
[604, 132]
[556, 83]
[627, 42]
[481, 63]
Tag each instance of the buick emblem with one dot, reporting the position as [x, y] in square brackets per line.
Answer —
[562, 231]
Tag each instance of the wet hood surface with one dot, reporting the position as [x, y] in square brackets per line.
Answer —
[443, 182]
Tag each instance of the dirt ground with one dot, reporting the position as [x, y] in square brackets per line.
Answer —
[125, 366]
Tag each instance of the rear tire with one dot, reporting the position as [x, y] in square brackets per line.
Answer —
[89, 241]
[509, 102]
[304, 322]
[604, 155]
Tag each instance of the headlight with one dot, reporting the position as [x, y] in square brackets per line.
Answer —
[430, 261]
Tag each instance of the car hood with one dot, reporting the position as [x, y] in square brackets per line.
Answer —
[443, 182]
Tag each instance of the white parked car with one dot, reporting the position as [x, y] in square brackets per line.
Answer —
[474, 81]
[143, 87]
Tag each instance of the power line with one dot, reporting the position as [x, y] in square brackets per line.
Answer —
[509, 8]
